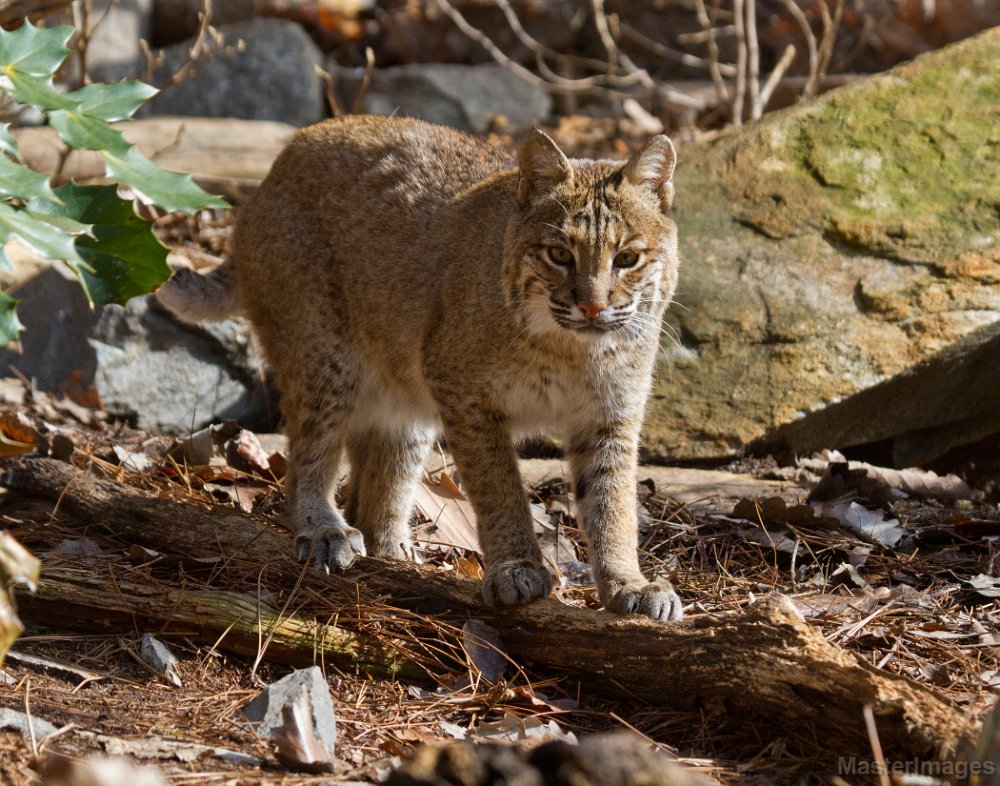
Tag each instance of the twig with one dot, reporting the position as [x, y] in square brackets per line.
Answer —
[365, 80]
[553, 84]
[739, 99]
[753, 55]
[674, 55]
[775, 78]
[607, 41]
[803, 22]
[331, 95]
[714, 66]
[81, 21]
[831, 25]
[883, 772]
[707, 34]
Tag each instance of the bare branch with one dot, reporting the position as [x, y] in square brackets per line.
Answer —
[753, 56]
[601, 23]
[775, 78]
[739, 99]
[365, 80]
[714, 66]
[629, 32]
[831, 27]
[803, 22]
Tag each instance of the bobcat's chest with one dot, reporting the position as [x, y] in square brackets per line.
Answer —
[542, 398]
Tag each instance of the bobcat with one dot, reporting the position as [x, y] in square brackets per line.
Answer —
[405, 279]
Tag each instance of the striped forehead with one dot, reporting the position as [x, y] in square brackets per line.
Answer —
[595, 220]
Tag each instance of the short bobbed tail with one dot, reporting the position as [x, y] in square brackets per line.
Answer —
[193, 297]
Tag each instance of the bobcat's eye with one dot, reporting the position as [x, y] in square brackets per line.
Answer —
[627, 259]
[560, 256]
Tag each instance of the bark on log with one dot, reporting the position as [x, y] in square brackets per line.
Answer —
[15, 11]
[231, 621]
[763, 664]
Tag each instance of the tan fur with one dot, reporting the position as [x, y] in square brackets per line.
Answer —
[398, 277]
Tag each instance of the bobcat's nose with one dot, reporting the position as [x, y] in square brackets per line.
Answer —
[592, 310]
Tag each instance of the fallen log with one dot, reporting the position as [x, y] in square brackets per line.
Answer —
[225, 155]
[13, 12]
[231, 621]
[762, 664]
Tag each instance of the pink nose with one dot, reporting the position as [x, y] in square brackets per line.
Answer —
[592, 310]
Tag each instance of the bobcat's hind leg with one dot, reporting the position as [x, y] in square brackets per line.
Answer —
[317, 424]
[385, 469]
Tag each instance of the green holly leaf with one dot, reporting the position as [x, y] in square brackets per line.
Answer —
[169, 190]
[124, 258]
[35, 51]
[48, 241]
[16, 180]
[10, 325]
[87, 133]
[36, 91]
[7, 142]
[112, 102]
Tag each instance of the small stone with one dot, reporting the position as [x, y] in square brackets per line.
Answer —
[268, 711]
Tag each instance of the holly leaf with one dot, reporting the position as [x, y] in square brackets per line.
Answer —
[34, 51]
[87, 133]
[48, 241]
[112, 102]
[7, 142]
[168, 190]
[10, 325]
[16, 180]
[124, 258]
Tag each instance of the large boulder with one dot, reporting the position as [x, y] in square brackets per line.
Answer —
[826, 249]
[270, 76]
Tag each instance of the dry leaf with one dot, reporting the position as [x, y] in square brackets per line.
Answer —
[485, 649]
[870, 525]
[452, 520]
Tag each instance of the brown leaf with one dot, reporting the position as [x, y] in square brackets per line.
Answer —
[452, 521]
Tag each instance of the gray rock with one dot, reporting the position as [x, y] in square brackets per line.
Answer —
[273, 77]
[18, 721]
[461, 96]
[57, 319]
[145, 366]
[267, 712]
[168, 377]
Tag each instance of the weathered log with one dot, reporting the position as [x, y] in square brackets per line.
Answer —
[224, 155]
[765, 663]
[15, 11]
[231, 621]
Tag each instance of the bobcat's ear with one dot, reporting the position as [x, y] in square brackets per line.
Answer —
[542, 165]
[652, 168]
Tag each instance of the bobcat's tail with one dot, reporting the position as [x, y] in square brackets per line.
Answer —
[193, 297]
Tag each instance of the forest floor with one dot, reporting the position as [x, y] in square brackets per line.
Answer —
[907, 601]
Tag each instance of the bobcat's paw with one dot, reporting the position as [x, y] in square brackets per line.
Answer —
[330, 547]
[656, 600]
[516, 583]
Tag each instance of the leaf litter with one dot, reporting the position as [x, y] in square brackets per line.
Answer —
[928, 612]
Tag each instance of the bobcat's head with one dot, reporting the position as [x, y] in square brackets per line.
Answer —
[591, 250]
